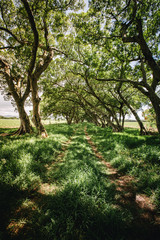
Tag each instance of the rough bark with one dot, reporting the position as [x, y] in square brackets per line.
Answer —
[39, 69]
[34, 76]
[154, 66]
[36, 110]
[25, 125]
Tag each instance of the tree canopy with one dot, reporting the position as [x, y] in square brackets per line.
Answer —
[95, 65]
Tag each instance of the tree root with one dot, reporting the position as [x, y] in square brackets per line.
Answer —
[18, 132]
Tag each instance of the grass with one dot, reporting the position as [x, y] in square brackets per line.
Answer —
[134, 124]
[14, 123]
[9, 123]
[138, 156]
[82, 202]
[130, 124]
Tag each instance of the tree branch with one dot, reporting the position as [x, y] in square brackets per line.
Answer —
[9, 47]
[13, 35]
[36, 37]
[42, 65]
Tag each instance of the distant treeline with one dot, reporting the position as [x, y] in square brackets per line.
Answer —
[132, 120]
[2, 117]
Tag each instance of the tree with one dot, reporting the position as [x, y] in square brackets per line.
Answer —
[149, 116]
[131, 108]
[30, 31]
[136, 25]
[19, 89]
[70, 86]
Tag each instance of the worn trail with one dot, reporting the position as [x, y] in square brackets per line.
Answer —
[140, 205]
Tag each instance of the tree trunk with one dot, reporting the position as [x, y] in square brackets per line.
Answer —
[123, 119]
[25, 125]
[19, 98]
[118, 126]
[69, 120]
[142, 128]
[156, 107]
[36, 110]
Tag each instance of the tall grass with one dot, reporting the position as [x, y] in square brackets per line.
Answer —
[131, 154]
[82, 203]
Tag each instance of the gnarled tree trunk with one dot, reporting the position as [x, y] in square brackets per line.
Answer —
[15, 90]
[25, 125]
[36, 110]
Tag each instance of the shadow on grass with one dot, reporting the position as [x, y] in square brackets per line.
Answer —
[84, 207]
[10, 198]
[71, 214]
[24, 158]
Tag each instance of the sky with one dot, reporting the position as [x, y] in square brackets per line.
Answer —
[7, 110]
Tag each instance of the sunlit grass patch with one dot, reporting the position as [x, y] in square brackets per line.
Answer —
[9, 123]
[23, 159]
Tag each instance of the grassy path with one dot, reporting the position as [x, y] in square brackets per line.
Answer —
[70, 191]
[140, 206]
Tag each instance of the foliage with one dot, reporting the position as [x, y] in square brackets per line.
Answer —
[122, 32]
[105, 59]
[149, 115]
[29, 37]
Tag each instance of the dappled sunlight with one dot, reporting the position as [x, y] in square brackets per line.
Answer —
[68, 187]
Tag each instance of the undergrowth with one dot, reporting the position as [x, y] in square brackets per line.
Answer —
[82, 204]
[131, 154]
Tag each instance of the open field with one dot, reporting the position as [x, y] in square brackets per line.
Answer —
[82, 182]
[9, 123]
[14, 123]
[130, 124]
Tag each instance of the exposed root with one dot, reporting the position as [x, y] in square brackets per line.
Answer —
[18, 132]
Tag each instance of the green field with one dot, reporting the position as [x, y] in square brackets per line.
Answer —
[131, 124]
[58, 188]
[14, 123]
[9, 123]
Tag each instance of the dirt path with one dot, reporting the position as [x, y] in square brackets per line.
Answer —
[140, 205]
